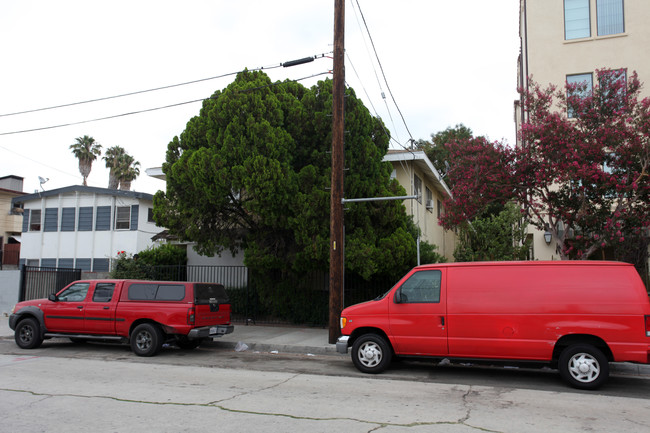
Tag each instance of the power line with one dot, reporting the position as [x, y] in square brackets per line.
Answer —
[285, 65]
[382, 70]
[148, 109]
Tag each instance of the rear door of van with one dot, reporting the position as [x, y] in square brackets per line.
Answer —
[212, 304]
[418, 314]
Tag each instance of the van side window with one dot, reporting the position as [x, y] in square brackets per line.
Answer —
[103, 292]
[421, 287]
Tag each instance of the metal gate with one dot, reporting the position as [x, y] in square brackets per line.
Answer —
[38, 282]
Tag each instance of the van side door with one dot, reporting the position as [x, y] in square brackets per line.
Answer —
[99, 317]
[418, 313]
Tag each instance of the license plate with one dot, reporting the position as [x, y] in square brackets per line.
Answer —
[213, 330]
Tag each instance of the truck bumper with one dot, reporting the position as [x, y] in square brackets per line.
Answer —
[210, 331]
[13, 319]
[342, 344]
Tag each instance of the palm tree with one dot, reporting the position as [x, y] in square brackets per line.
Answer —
[129, 170]
[86, 150]
[112, 158]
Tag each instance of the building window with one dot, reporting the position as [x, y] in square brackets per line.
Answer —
[51, 221]
[85, 223]
[35, 220]
[439, 209]
[103, 218]
[150, 215]
[429, 201]
[610, 17]
[613, 84]
[417, 186]
[122, 218]
[67, 219]
[579, 87]
[576, 19]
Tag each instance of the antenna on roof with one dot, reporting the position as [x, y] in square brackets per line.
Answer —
[42, 181]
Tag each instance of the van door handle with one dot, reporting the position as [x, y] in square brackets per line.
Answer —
[442, 320]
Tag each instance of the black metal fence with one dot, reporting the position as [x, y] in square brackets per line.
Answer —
[38, 282]
[277, 303]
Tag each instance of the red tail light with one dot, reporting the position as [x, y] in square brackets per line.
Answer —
[191, 314]
[647, 326]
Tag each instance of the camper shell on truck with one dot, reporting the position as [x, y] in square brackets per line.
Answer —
[145, 314]
[576, 316]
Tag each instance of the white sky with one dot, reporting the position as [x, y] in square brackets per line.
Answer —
[446, 62]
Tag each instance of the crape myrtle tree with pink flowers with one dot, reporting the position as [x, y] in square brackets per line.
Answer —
[581, 171]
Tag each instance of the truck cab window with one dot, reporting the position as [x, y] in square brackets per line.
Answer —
[74, 293]
[421, 287]
[103, 292]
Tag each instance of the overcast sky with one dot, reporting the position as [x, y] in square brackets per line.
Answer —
[445, 62]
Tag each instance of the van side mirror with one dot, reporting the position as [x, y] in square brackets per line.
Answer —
[398, 296]
[52, 297]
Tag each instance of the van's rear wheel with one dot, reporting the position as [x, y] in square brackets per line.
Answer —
[371, 353]
[583, 366]
[146, 339]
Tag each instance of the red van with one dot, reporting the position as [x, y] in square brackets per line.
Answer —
[576, 316]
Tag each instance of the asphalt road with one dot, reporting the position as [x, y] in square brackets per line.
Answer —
[63, 387]
[221, 355]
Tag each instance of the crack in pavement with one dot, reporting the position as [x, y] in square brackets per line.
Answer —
[378, 424]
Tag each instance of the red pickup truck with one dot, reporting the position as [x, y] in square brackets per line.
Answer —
[146, 314]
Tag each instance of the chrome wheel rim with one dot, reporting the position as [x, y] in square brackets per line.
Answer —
[370, 354]
[584, 368]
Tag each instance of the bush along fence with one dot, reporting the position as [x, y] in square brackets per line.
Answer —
[269, 298]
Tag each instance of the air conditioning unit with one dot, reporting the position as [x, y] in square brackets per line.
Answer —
[429, 204]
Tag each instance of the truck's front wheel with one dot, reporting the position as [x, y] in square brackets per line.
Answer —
[28, 334]
[146, 339]
[583, 366]
[371, 353]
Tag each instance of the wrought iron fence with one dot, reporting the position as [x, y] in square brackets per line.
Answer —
[39, 282]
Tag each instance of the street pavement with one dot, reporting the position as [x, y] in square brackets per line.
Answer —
[308, 340]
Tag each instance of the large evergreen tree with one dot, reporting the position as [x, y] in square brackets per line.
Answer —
[252, 172]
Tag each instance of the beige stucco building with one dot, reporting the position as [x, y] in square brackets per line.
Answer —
[568, 40]
[415, 172]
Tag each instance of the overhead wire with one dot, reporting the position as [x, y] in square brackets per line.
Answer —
[382, 71]
[262, 68]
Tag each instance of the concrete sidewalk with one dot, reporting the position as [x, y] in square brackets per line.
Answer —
[305, 340]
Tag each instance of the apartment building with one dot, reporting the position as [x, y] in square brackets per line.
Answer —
[84, 227]
[416, 173]
[568, 40]
[10, 221]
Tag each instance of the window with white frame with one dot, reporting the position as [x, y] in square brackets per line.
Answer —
[35, 220]
[122, 217]
[576, 19]
[610, 17]
[417, 186]
[429, 198]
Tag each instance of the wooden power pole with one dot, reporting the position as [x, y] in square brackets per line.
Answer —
[336, 204]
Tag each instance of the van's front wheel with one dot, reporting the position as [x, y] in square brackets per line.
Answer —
[371, 353]
[583, 366]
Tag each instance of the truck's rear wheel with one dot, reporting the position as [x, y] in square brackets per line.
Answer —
[28, 334]
[583, 366]
[371, 353]
[146, 339]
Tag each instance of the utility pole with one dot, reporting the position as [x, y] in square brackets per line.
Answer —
[336, 205]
